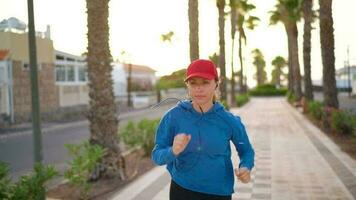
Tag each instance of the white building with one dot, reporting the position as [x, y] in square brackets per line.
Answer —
[343, 76]
[119, 79]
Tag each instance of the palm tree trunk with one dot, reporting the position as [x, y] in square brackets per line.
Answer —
[307, 12]
[102, 113]
[221, 6]
[233, 21]
[327, 52]
[278, 78]
[295, 61]
[233, 102]
[193, 29]
[290, 64]
[242, 86]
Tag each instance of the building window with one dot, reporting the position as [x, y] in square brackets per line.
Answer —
[70, 59]
[70, 73]
[60, 73]
[58, 57]
[82, 73]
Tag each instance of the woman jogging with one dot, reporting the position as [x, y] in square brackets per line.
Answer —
[193, 140]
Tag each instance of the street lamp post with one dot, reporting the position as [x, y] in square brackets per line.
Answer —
[348, 73]
[129, 83]
[36, 123]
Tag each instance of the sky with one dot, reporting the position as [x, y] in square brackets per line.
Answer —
[136, 27]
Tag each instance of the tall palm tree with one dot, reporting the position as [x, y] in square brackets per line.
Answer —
[193, 14]
[327, 52]
[167, 37]
[277, 73]
[233, 20]
[102, 113]
[260, 63]
[221, 5]
[244, 19]
[308, 19]
[289, 12]
[240, 18]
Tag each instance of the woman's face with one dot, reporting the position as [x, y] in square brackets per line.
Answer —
[201, 90]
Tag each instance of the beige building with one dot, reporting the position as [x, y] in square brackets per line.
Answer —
[62, 78]
[71, 79]
[16, 91]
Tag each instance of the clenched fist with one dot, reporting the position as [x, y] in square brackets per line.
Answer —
[180, 141]
[243, 174]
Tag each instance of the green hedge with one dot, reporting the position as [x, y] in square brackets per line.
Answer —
[241, 99]
[268, 90]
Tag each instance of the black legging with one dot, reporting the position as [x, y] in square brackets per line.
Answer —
[178, 193]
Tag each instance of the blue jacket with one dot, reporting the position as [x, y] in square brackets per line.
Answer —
[205, 165]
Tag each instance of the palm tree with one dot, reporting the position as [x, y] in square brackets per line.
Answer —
[221, 5]
[167, 37]
[240, 18]
[308, 19]
[102, 113]
[259, 62]
[193, 14]
[233, 19]
[289, 12]
[327, 52]
[245, 19]
[277, 73]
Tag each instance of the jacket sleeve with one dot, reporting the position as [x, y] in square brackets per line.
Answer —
[162, 152]
[243, 145]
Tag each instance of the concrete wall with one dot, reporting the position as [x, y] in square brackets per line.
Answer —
[17, 44]
[71, 95]
[22, 90]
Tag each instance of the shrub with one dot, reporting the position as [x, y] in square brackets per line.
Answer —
[85, 158]
[343, 122]
[6, 187]
[315, 109]
[242, 99]
[29, 187]
[141, 134]
[290, 97]
[267, 90]
[32, 187]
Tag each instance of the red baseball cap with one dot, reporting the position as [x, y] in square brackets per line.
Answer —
[202, 68]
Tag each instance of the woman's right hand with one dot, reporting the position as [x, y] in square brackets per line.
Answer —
[180, 142]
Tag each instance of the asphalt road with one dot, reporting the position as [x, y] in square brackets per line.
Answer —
[345, 102]
[17, 148]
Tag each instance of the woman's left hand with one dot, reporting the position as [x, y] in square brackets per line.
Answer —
[243, 174]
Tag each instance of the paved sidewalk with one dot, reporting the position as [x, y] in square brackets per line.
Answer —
[294, 160]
